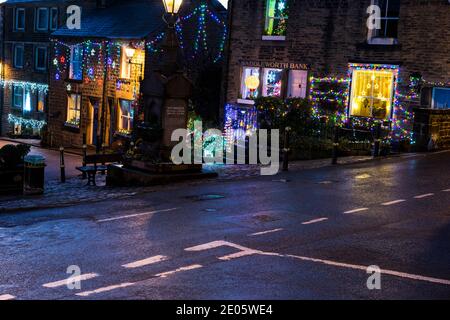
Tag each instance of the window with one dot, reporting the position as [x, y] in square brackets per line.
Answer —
[125, 66]
[40, 62]
[276, 19]
[53, 18]
[272, 81]
[372, 93]
[388, 32]
[298, 82]
[41, 19]
[441, 98]
[18, 56]
[126, 114]
[18, 97]
[250, 83]
[19, 19]
[73, 109]
[40, 101]
[76, 66]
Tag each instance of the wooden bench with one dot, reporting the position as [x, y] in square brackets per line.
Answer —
[100, 162]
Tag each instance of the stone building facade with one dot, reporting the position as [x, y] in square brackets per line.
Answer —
[330, 41]
[26, 29]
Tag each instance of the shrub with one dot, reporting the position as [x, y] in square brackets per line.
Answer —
[12, 156]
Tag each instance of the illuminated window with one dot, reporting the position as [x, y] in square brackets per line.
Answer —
[276, 18]
[125, 116]
[250, 83]
[41, 19]
[390, 14]
[76, 62]
[272, 82]
[298, 81]
[372, 93]
[441, 98]
[73, 109]
[28, 101]
[125, 66]
[40, 101]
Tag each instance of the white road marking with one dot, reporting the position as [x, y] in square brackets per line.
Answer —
[356, 210]
[391, 203]
[105, 289]
[314, 221]
[136, 215]
[220, 243]
[243, 251]
[168, 273]
[145, 262]
[69, 280]
[448, 190]
[265, 232]
[5, 297]
[424, 196]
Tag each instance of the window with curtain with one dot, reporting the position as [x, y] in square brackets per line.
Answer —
[250, 76]
[40, 101]
[76, 63]
[372, 94]
[73, 109]
[276, 18]
[272, 82]
[125, 116]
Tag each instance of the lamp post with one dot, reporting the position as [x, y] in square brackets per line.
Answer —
[170, 44]
[130, 51]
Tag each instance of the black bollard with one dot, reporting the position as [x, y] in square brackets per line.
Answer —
[84, 154]
[62, 166]
[377, 142]
[286, 149]
[335, 146]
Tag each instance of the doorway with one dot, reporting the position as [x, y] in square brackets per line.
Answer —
[93, 122]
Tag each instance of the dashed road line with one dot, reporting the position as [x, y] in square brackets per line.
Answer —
[145, 262]
[5, 297]
[422, 196]
[356, 210]
[448, 190]
[391, 203]
[265, 232]
[314, 221]
[136, 215]
[188, 268]
[70, 280]
[105, 289]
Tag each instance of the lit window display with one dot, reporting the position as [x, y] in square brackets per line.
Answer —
[276, 17]
[125, 123]
[250, 83]
[272, 82]
[298, 82]
[441, 98]
[76, 63]
[73, 109]
[372, 94]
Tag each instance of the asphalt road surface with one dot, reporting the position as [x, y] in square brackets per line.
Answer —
[299, 235]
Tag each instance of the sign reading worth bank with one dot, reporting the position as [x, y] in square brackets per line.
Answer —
[275, 65]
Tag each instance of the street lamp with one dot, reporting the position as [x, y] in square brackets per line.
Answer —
[172, 6]
[130, 50]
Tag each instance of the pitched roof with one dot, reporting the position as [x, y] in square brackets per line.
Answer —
[132, 19]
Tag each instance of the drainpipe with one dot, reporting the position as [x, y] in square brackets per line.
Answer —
[104, 96]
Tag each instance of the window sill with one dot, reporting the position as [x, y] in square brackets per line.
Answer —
[273, 38]
[71, 127]
[382, 41]
[246, 101]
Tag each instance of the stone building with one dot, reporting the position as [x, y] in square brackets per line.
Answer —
[97, 71]
[287, 48]
[25, 51]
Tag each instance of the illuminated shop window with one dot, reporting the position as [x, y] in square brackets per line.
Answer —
[272, 82]
[125, 115]
[441, 98]
[73, 109]
[76, 62]
[372, 94]
[298, 82]
[276, 18]
[250, 83]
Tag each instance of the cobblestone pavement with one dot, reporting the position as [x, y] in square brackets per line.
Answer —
[75, 191]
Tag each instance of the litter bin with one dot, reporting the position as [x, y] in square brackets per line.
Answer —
[33, 182]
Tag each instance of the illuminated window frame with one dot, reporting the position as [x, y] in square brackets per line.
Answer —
[394, 69]
[272, 18]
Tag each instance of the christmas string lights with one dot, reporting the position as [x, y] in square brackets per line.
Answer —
[28, 123]
[31, 86]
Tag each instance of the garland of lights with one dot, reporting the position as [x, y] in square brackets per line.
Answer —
[32, 86]
[29, 123]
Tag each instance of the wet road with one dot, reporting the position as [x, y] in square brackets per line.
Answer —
[300, 235]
